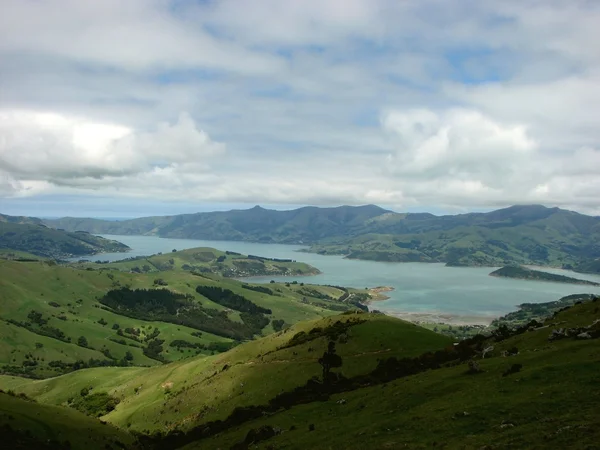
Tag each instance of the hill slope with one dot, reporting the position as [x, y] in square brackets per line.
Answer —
[533, 387]
[185, 394]
[529, 234]
[47, 308]
[540, 396]
[48, 242]
[29, 425]
[524, 273]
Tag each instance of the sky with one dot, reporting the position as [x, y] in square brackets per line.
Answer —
[119, 108]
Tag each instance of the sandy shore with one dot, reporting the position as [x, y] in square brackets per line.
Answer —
[440, 318]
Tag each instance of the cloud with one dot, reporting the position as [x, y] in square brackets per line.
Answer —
[455, 105]
[67, 150]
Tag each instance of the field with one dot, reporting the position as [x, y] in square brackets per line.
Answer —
[47, 308]
[528, 391]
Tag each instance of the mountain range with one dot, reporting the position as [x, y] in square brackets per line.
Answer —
[523, 234]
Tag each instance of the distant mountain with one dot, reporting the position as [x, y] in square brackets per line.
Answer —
[522, 234]
[298, 226]
[524, 273]
[40, 240]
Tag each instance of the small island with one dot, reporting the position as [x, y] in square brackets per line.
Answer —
[524, 273]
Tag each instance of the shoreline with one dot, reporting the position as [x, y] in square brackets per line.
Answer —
[440, 318]
[377, 295]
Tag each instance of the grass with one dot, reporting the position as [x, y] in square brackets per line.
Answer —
[207, 260]
[550, 403]
[185, 393]
[33, 425]
[67, 298]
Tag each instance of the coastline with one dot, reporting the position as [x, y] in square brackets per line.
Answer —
[440, 318]
[377, 295]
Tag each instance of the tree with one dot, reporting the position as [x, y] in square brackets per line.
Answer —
[128, 356]
[82, 341]
[329, 360]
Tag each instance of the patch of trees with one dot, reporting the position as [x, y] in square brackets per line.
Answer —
[95, 405]
[255, 321]
[263, 289]
[263, 259]
[211, 347]
[278, 324]
[154, 349]
[39, 327]
[230, 299]
[166, 306]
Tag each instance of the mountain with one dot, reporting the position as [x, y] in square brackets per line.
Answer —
[303, 225]
[23, 234]
[522, 234]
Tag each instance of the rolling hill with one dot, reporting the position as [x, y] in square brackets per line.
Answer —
[47, 308]
[38, 239]
[527, 234]
[394, 385]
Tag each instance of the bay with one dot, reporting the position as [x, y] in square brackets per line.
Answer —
[422, 291]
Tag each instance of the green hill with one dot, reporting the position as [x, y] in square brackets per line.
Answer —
[541, 396]
[25, 424]
[523, 273]
[395, 385]
[47, 308]
[40, 240]
[590, 266]
[207, 260]
[161, 398]
[527, 234]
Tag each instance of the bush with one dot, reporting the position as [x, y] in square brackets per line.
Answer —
[82, 341]
[95, 405]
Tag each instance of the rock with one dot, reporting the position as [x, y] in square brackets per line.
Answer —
[341, 402]
[584, 335]
[487, 350]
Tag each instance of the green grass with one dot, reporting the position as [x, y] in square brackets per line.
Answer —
[185, 393]
[43, 423]
[551, 403]
[27, 286]
[207, 260]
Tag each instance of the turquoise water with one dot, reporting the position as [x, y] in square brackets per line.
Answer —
[466, 293]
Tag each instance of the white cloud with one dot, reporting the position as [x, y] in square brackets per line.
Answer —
[67, 150]
[459, 104]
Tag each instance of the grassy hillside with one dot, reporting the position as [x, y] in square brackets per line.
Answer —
[530, 234]
[46, 308]
[532, 388]
[523, 273]
[208, 260]
[394, 385]
[184, 394]
[590, 266]
[30, 425]
[43, 241]
[548, 400]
